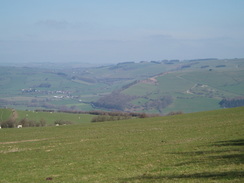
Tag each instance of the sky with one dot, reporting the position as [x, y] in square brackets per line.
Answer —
[112, 31]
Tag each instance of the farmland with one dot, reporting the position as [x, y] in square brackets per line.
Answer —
[48, 117]
[196, 147]
[152, 87]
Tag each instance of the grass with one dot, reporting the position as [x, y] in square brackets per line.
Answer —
[196, 147]
[192, 105]
[50, 118]
[5, 114]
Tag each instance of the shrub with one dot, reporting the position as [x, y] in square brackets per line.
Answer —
[143, 115]
[232, 102]
[10, 123]
[102, 118]
[62, 122]
[28, 123]
[174, 113]
[43, 122]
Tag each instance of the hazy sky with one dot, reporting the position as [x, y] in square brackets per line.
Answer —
[111, 31]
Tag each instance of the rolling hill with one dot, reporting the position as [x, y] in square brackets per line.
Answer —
[148, 86]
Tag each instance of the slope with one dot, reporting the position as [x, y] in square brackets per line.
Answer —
[197, 147]
[190, 90]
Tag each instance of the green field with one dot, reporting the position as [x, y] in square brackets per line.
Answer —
[187, 82]
[5, 114]
[49, 117]
[196, 147]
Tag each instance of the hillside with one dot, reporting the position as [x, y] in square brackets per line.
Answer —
[5, 114]
[196, 147]
[191, 91]
[50, 118]
[190, 87]
[155, 86]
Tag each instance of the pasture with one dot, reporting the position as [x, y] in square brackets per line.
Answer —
[48, 117]
[5, 114]
[196, 147]
[187, 82]
[51, 117]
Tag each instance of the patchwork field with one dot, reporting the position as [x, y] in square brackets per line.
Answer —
[152, 87]
[196, 147]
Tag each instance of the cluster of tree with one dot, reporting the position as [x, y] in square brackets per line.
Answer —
[234, 102]
[156, 62]
[13, 123]
[129, 85]
[174, 113]
[102, 118]
[116, 116]
[220, 65]
[45, 85]
[62, 122]
[114, 101]
[204, 59]
[159, 104]
[123, 66]
[104, 113]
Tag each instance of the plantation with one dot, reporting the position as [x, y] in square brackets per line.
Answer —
[196, 147]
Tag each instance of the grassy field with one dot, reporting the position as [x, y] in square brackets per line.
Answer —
[49, 117]
[5, 114]
[196, 147]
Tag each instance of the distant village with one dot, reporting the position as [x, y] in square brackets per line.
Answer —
[59, 94]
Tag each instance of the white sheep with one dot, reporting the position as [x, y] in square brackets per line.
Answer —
[19, 126]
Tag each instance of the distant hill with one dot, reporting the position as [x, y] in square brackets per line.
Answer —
[147, 86]
[190, 87]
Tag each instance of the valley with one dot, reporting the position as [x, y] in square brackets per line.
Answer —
[156, 87]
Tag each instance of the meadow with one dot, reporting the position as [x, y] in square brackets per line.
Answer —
[50, 118]
[195, 147]
[5, 114]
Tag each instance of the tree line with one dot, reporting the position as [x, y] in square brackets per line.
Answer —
[232, 102]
